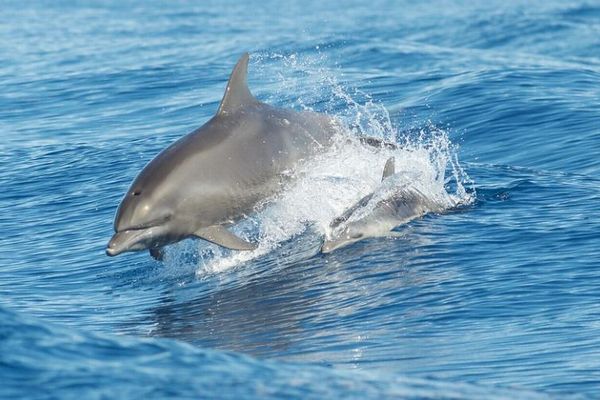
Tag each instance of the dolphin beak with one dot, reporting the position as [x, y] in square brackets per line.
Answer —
[111, 251]
[132, 240]
[329, 246]
[128, 240]
[114, 248]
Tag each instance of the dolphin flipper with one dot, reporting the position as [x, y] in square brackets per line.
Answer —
[218, 234]
[344, 217]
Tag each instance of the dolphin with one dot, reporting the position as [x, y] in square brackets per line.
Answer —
[217, 174]
[375, 215]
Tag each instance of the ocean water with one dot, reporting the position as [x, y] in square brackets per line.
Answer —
[495, 107]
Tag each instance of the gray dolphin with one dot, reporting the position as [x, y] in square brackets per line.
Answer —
[218, 173]
[388, 206]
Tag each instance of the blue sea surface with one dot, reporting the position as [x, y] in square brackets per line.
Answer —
[498, 297]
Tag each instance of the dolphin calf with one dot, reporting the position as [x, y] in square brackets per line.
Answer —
[217, 174]
[375, 215]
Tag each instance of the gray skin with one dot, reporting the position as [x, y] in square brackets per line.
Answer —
[217, 174]
[397, 206]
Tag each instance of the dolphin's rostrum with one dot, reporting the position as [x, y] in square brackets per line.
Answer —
[217, 174]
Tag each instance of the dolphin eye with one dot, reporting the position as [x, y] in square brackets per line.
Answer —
[136, 193]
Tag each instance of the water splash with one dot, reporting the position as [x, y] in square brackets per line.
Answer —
[328, 184]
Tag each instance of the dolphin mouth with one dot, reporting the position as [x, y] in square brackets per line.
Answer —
[111, 251]
[127, 240]
[337, 242]
[331, 245]
[116, 245]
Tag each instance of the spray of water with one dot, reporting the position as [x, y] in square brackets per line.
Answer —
[327, 185]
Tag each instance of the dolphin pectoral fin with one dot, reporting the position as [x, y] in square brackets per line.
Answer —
[157, 253]
[218, 234]
[389, 168]
[348, 213]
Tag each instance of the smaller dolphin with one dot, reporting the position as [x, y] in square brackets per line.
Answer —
[376, 214]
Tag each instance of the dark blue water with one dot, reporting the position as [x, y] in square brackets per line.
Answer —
[497, 297]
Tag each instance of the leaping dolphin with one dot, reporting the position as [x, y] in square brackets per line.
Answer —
[375, 215]
[218, 173]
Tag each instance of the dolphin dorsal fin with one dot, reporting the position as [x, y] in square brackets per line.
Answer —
[389, 168]
[237, 93]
